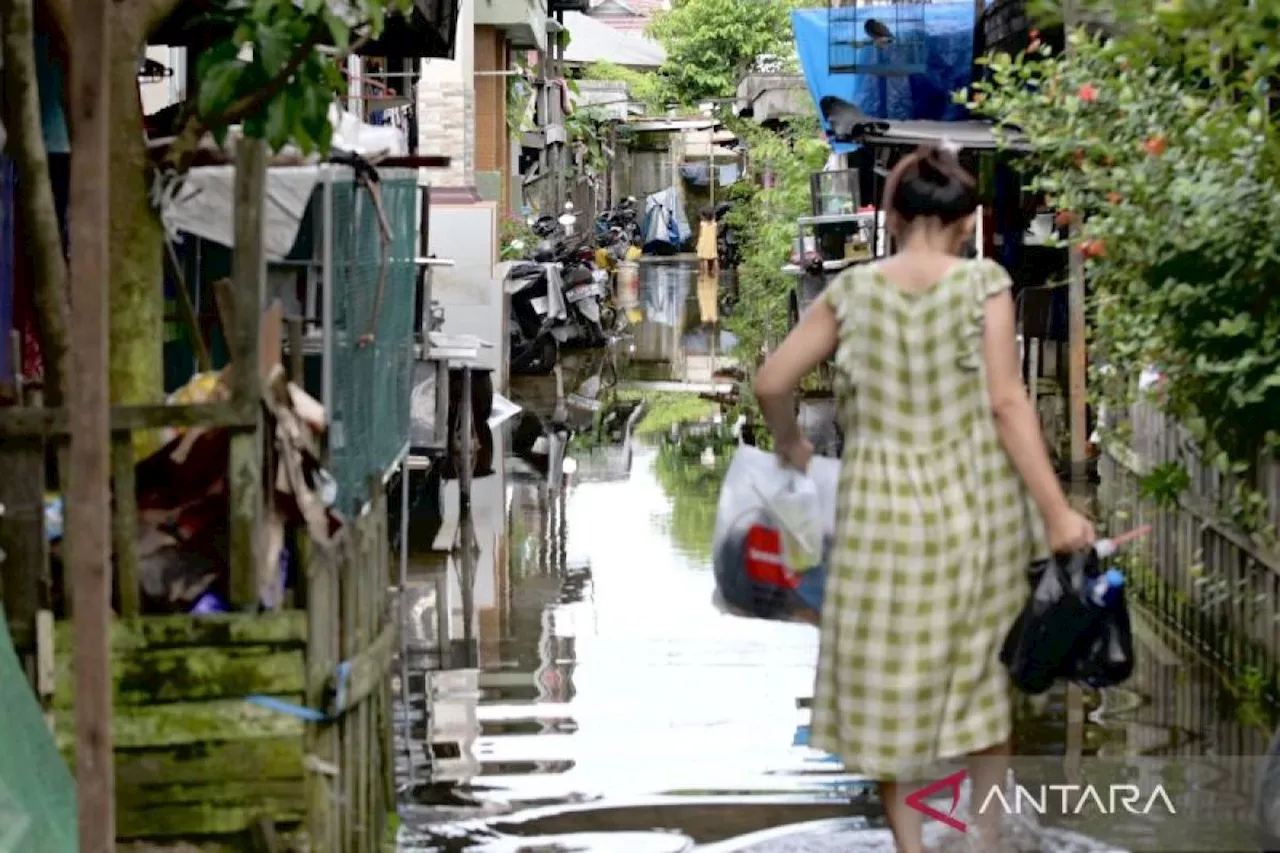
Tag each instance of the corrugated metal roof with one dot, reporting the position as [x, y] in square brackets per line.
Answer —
[972, 135]
[593, 41]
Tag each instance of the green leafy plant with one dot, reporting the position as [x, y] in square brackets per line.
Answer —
[1158, 143]
[711, 44]
[647, 88]
[282, 86]
[765, 218]
[515, 237]
[585, 130]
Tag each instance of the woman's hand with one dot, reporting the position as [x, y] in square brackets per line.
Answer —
[795, 454]
[1069, 531]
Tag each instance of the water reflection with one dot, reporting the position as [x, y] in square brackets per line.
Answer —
[586, 695]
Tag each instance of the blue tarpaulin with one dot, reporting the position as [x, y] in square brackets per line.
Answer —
[948, 55]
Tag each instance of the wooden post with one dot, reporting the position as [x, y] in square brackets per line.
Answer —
[1077, 389]
[465, 418]
[248, 275]
[88, 504]
[125, 524]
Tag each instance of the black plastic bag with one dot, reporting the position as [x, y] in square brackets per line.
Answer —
[1062, 633]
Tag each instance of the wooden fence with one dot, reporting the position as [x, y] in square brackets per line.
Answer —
[1216, 586]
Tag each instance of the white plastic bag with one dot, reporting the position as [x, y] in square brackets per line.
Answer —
[773, 530]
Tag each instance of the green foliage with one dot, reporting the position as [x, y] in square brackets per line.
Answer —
[711, 44]
[520, 90]
[1164, 483]
[692, 485]
[665, 410]
[647, 88]
[1160, 143]
[765, 219]
[585, 130]
[515, 237]
[283, 91]
[694, 490]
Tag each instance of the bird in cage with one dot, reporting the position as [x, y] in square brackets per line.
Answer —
[879, 34]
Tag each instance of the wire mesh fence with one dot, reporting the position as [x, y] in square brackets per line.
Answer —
[373, 342]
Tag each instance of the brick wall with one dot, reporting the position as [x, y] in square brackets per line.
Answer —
[445, 110]
[492, 142]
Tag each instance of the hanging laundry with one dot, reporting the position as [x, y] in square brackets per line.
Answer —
[698, 174]
[729, 174]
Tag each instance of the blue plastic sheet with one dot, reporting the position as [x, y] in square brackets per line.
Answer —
[924, 97]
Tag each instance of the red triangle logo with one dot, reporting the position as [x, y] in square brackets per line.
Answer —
[916, 800]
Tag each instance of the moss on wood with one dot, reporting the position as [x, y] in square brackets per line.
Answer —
[189, 723]
[286, 628]
[197, 673]
[192, 820]
[226, 762]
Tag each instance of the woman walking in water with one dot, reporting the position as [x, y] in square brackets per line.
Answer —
[934, 532]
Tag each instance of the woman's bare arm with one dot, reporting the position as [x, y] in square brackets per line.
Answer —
[810, 343]
[1016, 420]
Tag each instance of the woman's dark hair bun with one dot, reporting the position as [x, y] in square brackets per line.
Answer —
[931, 183]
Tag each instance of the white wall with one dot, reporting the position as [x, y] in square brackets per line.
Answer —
[167, 92]
[472, 297]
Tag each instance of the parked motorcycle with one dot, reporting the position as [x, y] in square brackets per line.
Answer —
[535, 310]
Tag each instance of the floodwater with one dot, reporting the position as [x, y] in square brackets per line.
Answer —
[587, 695]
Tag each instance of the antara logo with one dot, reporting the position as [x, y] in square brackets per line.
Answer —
[1068, 799]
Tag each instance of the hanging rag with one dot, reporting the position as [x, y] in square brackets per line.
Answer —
[698, 174]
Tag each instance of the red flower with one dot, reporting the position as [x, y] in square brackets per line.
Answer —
[1035, 35]
[1114, 197]
[1155, 145]
[1063, 219]
[1093, 249]
[1087, 93]
[1078, 156]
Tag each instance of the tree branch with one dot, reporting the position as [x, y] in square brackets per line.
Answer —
[20, 104]
[185, 146]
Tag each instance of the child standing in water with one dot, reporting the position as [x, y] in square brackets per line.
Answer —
[708, 263]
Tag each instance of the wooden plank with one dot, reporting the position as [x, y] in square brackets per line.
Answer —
[186, 674]
[244, 793]
[228, 762]
[193, 724]
[24, 553]
[87, 547]
[351, 757]
[291, 839]
[321, 741]
[244, 341]
[389, 611]
[360, 581]
[368, 671]
[18, 423]
[124, 524]
[225, 816]
[286, 629]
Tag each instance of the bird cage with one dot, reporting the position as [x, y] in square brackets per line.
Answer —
[885, 38]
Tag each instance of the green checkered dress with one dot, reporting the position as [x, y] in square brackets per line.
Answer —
[934, 531]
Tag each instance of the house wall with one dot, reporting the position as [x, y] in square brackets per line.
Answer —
[469, 292]
[446, 108]
[493, 143]
[633, 21]
[164, 93]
